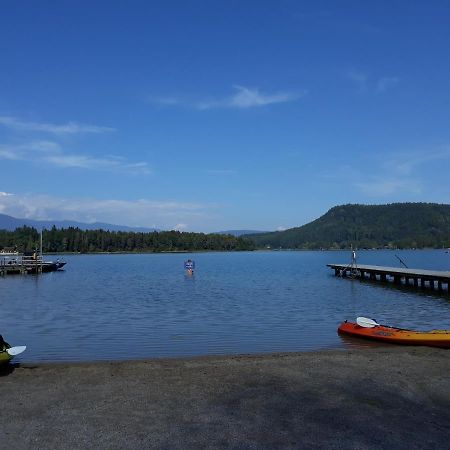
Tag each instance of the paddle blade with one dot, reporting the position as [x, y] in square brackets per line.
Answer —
[14, 351]
[365, 322]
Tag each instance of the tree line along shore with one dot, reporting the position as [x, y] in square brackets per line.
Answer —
[75, 240]
[394, 226]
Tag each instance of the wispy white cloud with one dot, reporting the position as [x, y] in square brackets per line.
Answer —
[80, 161]
[390, 174]
[366, 84]
[242, 98]
[47, 152]
[68, 128]
[359, 79]
[406, 162]
[140, 212]
[9, 153]
[376, 183]
[379, 186]
[386, 83]
[43, 146]
[249, 98]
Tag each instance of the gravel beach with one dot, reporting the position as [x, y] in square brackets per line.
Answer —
[386, 397]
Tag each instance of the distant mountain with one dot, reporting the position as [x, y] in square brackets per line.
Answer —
[11, 223]
[238, 233]
[396, 225]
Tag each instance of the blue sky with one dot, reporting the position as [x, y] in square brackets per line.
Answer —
[215, 115]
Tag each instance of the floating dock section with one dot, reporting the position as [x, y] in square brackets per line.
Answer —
[419, 278]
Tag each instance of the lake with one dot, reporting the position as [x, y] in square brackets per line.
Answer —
[128, 306]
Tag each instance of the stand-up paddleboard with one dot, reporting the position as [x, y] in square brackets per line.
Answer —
[189, 265]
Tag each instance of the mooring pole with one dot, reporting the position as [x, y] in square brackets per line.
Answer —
[40, 251]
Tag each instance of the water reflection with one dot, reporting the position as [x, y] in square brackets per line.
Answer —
[143, 306]
[426, 291]
[360, 343]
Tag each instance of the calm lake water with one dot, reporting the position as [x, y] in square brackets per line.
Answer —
[115, 307]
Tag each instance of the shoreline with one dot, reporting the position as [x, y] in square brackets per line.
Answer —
[355, 344]
[362, 398]
[256, 250]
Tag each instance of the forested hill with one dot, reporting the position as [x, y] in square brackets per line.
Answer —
[397, 225]
[87, 241]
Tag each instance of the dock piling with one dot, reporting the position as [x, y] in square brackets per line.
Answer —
[419, 278]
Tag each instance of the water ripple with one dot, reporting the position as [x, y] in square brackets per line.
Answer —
[112, 307]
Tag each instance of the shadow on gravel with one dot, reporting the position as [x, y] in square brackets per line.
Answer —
[8, 369]
[281, 413]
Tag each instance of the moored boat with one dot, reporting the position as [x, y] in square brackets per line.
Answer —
[27, 262]
[45, 266]
[371, 330]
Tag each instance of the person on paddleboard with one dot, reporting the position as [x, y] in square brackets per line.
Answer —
[189, 265]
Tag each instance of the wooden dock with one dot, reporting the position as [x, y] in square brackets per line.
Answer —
[419, 278]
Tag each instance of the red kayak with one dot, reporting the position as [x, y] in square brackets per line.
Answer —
[382, 333]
